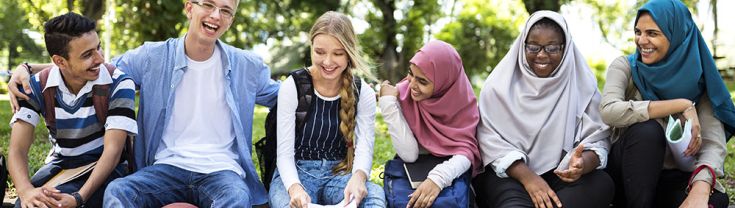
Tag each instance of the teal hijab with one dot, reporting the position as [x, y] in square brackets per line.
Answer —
[688, 70]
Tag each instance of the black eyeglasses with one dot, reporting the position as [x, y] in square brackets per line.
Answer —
[210, 7]
[550, 49]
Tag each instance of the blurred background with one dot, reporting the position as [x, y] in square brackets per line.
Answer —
[390, 30]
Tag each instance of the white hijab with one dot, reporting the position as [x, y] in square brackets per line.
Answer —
[541, 118]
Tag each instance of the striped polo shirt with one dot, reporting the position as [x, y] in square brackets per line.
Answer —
[78, 131]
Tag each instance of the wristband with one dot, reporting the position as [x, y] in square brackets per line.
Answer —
[696, 171]
[78, 198]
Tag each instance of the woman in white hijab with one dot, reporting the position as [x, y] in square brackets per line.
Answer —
[541, 137]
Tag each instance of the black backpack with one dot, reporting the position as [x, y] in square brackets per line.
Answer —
[265, 148]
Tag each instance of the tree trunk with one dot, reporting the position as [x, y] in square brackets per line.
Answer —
[536, 5]
[389, 59]
[94, 9]
[70, 5]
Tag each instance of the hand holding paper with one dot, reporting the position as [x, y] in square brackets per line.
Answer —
[678, 140]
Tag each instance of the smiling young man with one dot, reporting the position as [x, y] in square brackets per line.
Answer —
[68, 95]
[197, 99]
[196, 112]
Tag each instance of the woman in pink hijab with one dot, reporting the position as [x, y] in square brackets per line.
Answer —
[432, 113]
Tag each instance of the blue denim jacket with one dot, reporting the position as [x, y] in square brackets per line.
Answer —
[158, 67]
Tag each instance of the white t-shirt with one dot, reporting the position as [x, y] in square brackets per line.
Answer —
[200, 135]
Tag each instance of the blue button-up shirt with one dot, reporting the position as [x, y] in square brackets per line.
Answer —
[158, 67]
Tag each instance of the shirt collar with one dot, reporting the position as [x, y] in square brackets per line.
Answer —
[180, 55]
[55, 79]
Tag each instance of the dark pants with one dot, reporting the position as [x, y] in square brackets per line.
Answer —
[635, 164]
[594, 189]
[48, 171]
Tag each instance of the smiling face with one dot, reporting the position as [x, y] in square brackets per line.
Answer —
[540, 49]
[328, 57]
[84, 59]
[209, 19]
[650, 41]
[421, 87]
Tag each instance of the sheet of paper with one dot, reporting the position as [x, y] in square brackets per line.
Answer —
[678, 139]
[345, 204]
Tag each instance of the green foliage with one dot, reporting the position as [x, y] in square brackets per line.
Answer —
[14, 41]
[483, 34]
[536, 5]
[395, 38]
[599, 68]
[137, 21]
[283, 25]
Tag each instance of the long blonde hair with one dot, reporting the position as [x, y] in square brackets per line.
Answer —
[339, 26]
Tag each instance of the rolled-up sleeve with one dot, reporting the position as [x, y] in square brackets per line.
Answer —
[500, 166]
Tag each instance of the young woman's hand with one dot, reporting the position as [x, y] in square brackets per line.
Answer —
[388, 90]
[356, 188]
[424, 195]
[698, 195]
[690, 114]
[299, 197]
[576, 166]
[541, 194]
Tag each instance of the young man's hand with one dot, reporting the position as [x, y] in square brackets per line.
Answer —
[65, 200]
[38, 197]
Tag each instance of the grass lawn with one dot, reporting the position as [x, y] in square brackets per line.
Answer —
[383, 149]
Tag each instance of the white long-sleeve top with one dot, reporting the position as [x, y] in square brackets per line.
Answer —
[408, 148]
[286, 134]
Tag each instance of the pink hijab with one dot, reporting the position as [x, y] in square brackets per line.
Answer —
[444, 124]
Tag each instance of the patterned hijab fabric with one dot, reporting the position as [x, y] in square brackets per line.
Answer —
[445, 124]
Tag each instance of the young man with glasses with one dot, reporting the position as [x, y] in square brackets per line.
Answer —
[197, 98]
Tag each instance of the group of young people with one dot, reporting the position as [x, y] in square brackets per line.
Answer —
[541, 134]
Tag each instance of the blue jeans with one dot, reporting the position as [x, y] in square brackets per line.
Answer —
[323, 186]
[160, 184]
[48, 171]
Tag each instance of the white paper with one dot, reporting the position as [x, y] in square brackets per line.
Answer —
[677, 147]
[345, 204]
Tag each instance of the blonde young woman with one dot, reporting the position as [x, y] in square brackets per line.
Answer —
[328, 160]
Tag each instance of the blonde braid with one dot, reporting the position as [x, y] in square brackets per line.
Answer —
[347, 121]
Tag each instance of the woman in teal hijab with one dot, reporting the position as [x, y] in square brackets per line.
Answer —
[672, 73]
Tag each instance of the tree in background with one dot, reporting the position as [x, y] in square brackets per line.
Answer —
[483, 34]
[15, 42]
